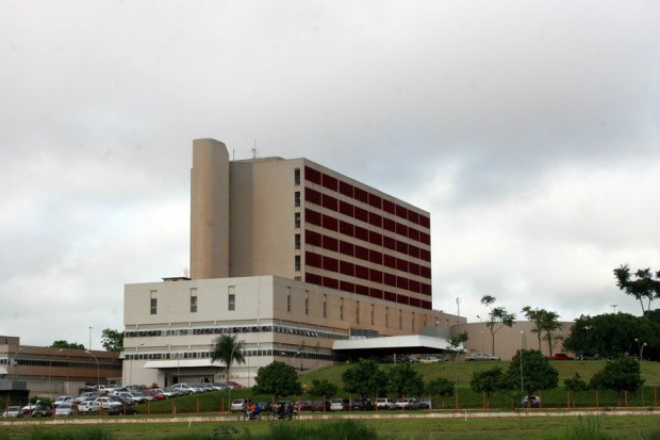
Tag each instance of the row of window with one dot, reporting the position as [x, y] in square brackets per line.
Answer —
[262, 328]
[333, 283]
[375, 238]
[364, 273]
[68, 364]
[153, 301]
[371, 218]
[247, 353]
[359, 194]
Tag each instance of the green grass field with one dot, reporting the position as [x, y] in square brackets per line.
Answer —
[623, 427]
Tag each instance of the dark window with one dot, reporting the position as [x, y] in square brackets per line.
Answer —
[153, 305]
[313, 196]
[297, 241]
[296, 176]
[346, 208]
[193, 304]
[312, 175]
[231, 301]
[297, 263]
[329, 202]
[313, 238]
[330, 182]
[296, 219]
[296, 198]
[331, 244]
[330, 223]
[345, 189]
[347, 248]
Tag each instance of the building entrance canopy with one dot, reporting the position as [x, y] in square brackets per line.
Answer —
[406, 344]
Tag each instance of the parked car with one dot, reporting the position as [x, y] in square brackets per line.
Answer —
[27, 409]
[183, 388]
[318, 405]
[481, 357]
[587, 357]
[534, 402]
[362, 405]
[65, 410]
[156, 393]
[108, 402]
[105, 389]
[88, 406]
[407, 403]
[238, 405]
[122, 409]
[339, 405]
[384, 403]
[12, 412]
[42, 411]
[62, 399]
[431, 360]
[561, 357]
[89, 395]
[425, 403]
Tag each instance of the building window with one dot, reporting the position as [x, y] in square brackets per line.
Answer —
[357, 312]
[296, 219]
[341, 310]
[296, 198]
[288, 302]
[387, 316]
[400, 320]
[325, 306]
[296, 176]
[193, 304]
[297, 263]
[153, 302]
[373, 315]
[231, 301]
[297, 241]
[307, 303]
[413, 322]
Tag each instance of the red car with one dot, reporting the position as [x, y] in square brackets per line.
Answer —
[561, 357]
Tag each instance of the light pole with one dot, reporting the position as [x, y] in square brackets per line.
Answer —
[522, 386]
[641, 363]
[231, 358]
[98, 371]
[50, 393]
[481, 332]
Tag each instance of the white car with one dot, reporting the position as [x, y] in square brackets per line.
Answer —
[12, 412]
[238, 405]
[481, 357]
[183, 388]
[59, 400]
[339, 405]
[384, 403]
[89, 395]
[408, 403]
[65, 409]
[106, 402]
[88, 406]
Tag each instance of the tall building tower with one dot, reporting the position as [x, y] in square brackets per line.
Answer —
[299, 220]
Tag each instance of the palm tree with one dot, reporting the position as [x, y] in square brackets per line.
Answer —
[497, 315]
[227, 349]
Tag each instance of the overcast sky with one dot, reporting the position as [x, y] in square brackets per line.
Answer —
[528, 129]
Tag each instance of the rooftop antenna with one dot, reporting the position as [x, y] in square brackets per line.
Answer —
[254, 150]
[458, 306]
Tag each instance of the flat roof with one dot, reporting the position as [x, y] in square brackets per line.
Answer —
[392, 344]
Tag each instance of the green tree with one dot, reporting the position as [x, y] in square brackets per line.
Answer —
[228, 350]
[545, 324]
[575, 384]
[277, 379]
[322, 388]
[365, 378]
[404, 381]
[643, 287]
[611, 334]
[498, 317]
[537, 374]
[621, 374]
[440, 386]
[66, 344]
[487, 381]
[112, 340]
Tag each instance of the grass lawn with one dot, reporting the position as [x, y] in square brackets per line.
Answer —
[624, 427]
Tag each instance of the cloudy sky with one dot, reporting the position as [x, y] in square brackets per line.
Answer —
[529, 130]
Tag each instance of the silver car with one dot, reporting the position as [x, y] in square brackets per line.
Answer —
[12, 412]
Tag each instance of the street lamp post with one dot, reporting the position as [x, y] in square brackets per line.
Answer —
[641, 363]
[231, 358]
[481, 332]
[98, 371]
[50, 393]
[522, 384]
